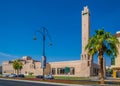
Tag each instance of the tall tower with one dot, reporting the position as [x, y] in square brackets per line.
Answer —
[86, 60]
[85, 28]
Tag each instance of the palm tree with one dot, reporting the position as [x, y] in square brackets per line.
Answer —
[102, 43]
[20, 66]
[17, 65]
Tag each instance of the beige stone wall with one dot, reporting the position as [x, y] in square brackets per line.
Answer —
[117, 59]
[48, 69]
[29, 66]
[84, 69]
[32, 67]
[7, 67]
[81, 68]
[75, 64]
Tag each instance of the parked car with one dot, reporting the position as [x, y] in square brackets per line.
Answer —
[5, 75]
[49, 76]
[21, 75]
[109, 75]
[39, 76]
[13, 75]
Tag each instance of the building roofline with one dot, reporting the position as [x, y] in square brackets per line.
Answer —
[117, 34]
[36, 61]
[65, 61]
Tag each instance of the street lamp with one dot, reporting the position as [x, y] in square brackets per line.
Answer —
[44, 33]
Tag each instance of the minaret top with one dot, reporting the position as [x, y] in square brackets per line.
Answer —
[118, 34]
[85, 11]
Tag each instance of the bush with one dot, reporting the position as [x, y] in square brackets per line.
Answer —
[30, 74]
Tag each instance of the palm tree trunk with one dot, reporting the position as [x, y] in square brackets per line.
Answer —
[17, 72]
[20, 71]
[101, 69]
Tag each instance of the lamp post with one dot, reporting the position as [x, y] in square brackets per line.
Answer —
[44, 33]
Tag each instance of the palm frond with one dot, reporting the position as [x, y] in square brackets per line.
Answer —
[103, 41]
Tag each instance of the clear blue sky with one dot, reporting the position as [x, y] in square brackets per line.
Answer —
[19, 19]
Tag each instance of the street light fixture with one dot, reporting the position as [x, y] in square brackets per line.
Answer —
[44, 33]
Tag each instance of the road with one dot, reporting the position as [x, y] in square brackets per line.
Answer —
[21, 83]
[8, 82]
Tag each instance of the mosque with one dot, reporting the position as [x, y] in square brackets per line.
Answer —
[84, 67]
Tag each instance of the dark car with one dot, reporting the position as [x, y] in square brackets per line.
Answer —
[21, 75]
[39, 76]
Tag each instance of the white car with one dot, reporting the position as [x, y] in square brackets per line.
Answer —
[5, 75]
[49, 76]
[13, 75]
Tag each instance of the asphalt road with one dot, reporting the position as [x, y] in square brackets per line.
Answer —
[21, 83]
[8, 82]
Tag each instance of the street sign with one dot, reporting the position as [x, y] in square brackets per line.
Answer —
[67, 69]
[43, 62]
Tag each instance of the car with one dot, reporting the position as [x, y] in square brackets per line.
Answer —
[21, 75]
[49, 76]
[5, 75]
[13, 75]
[39, 76]
[109, 75]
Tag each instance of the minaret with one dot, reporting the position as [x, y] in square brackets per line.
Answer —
[86, 60]
[85, 28]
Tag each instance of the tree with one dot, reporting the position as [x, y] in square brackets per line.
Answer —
[17, 65]
[109, 71]
[102, 43]
[20, 66]
[113, 61]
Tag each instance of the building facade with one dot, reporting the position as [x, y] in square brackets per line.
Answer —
[80, 68]
[29, 66]
[55, 68]
[116, 61]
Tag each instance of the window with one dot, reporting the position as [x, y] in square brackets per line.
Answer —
[88, 58]
[60, 71]
[95, 71]
[88, 63]
[72, 71]
[85, 56]
[32, 66]
[53, 71]
[4, 71]
[25, 72]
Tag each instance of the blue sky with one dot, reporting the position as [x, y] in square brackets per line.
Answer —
[19, 19]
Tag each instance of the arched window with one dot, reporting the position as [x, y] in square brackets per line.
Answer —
[81, 56]
[88, 63]
[85, 56]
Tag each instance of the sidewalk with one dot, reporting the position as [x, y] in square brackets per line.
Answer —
[110, 81]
